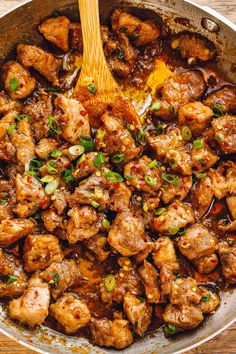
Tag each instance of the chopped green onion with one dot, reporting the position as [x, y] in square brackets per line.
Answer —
[51, 167]
[76, 150]
[37, 216]
[217, 110]
[109, 282]
[106, 224]
[156, 106]
[114, 177]
[197, 144]
[230, 241]
[92, 88]
[23, 116]
[81, 159]
[67, 175]
[54, 126]
[4, 200]
[56, 153]
[99, 159]
[14, 84]
[51, 187]
[150, 181]
[169, 328]
[201, 175]
[160, 129]
[129, 177]
[205, 298]
[8, 279]
[47, 179]
[142, 137]
[35, 164]
[53, 89]
[186, 133]
[152, 164]
[118, 158]
[171, 179]
[120, 55]
[160, 211]
[11, 128]
[53, 279]
[173, 230]
[94, 204]
[100, 134]
[87, 142]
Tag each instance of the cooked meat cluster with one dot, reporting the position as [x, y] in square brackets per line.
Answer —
[110, 227]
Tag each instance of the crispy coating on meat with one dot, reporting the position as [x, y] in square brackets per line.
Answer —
[40, 251]
[18, 81]
[170, 192]
[107, 333]
[32, 307]
[184, 291]
[164, 253]
[227, 255]
[203, 157]
[15, 229]
[225, 133]
[45, 63]
[71, 313]
[225, 97]
[44, 147]
[180, 162]
[185, 317]
[210, 300]
[56, 31]
[98, 244]
[149, 277]
[60, 202]
[202, 196]
[120, 195]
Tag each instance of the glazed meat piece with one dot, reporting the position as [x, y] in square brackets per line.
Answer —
[225, 133]
[178, 90]
[120, 195]
[39, 110]
[193, 46]
[23, 140]
[71, 313]
[51, 219]
[184, 291]
[107, 333]
[196, 116]
[76, 37]
[149, 277]
[73, 120]
[227, 253]
[138, 312]
[68, 275]
[86, 167]
[225, 97]
[15, 229]
[166, 279]
[171, 192]
[142, 255]
[164, 253]
[210, 300]
[6, 122]
[40, 251]
[44, 147]
[126, 234]
[98, 244]
[185, 317]
[17, 80]
[202, 196]
[176, 216]
[116, 139]
[13, 279]
[60, 202]
[220, 185]
[142, 177]
[60, 164]
[161, 144]
[7, 150]
[141, 32]
[231, 202]
[56, 31]
[30, 196]
[206, 264]
[7, 105]
[180, 162]
[32, 307]
[84, 222]
[203, 156]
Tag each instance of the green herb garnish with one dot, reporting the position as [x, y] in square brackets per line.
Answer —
[67, 175]
[14, 84]
[118, 158]
[92, 88]
[99, 159]
[87, 142]
[114, 177]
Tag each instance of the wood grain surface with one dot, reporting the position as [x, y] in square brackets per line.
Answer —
[224, 343]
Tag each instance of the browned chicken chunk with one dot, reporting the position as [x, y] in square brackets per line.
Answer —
[201, 197]
[5, 123]
[164, 253]
[149, 277]
[179, 191]
[227, 253]
[225, 98]
[225, 133]
[210, 300]
[44, 147]
[7, 105]
[231, 202]
[184, 291]
[185, 317]
[86, 167]
[203, 156]
[180, 162]
[98, 244]
[51, 219]
[15, 229]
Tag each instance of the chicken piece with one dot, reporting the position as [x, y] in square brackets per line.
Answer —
[202, 196]
[45, 63]
[7, 150]
[180, 191]
[68, 275]
[126, 234]
[203, 157]
[116, 139]
[231, 202]
[56, 31]
[84, 223]
[74, 120]
[143, 178]
[40, 251]
[227, 253]
[149, 246]
[60, 164]
[141, 32]
[225, 98]
[7, 105]
[120, 196]
[206, 264]
[166, 279]
[176, 216]
[98, 244]
[39, 110]
[15, 229]
[193, 46]
[13, 279]
[30, 196]
[86, 167]
[164, 253]
[186, 317]
[161, 144]
[6, 122]
[184, 291]
[107, 333]
[71, 313]
[44, 147]
[76, 37]
[178, 90]
[210, 300]
[32, 307]
[23, 140]
[180, 162]
[219, 183]
[225, 133]
[196, 116]
[51, 219]
[60, 202]
[138, 312]
[18, 81]
[149, 277]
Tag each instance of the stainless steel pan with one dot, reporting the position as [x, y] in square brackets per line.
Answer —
[20, 26]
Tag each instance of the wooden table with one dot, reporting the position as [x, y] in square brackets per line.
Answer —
[224, 343]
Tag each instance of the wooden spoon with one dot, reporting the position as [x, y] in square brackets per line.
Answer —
[95, 72]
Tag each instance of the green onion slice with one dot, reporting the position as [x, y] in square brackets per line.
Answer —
[99, 159]
[51, 167]
[186, 133]
[150, 181]
[169, 328]
[173, 230]
[160, 211]
[23, 116]
[109, 282]
[51, 187]
[47, 179]
[92, 88]
[217, 110]
[76, 150]
[4, 200]
[67, 175]
[142, 137]
[171, 179]
[152, 164]
[14, 84]
[9, 278]
[114, 177]
[87, 142]
[197, 144]
[54, 126]
[95, 204]
[56, 153]
[156, 106]
[53, 280]
[11, 128]
[118, 158]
